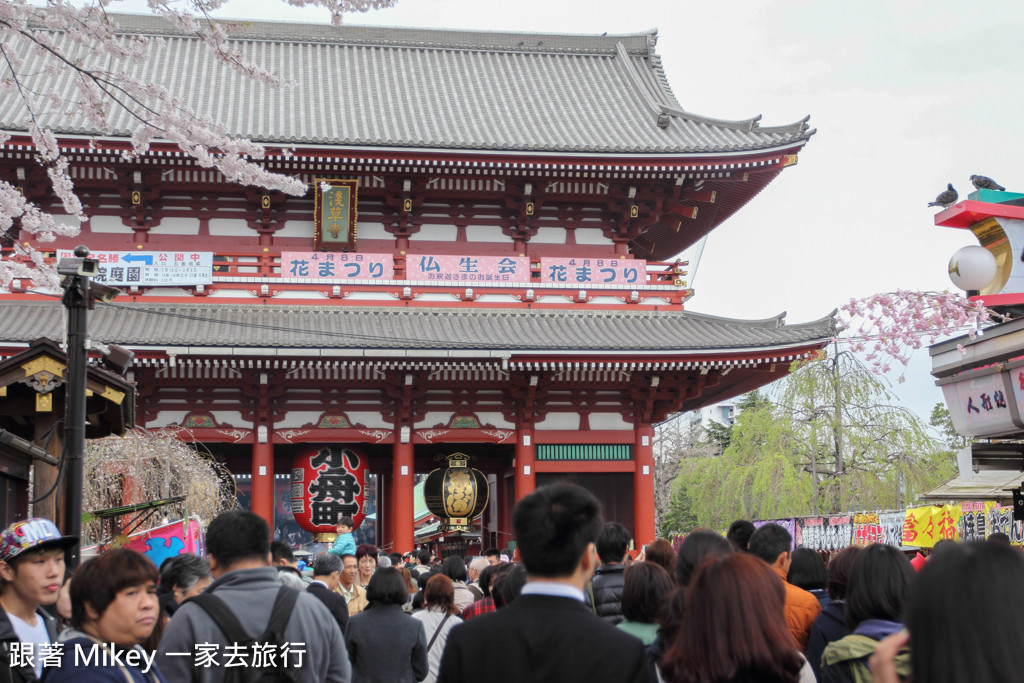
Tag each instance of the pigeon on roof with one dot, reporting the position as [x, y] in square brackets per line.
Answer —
[947, 198]
[984, 183]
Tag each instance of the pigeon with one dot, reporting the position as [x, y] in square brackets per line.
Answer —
[983, 183]
[946, 199]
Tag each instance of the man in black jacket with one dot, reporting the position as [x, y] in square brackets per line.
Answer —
[605, 595]
[547, 633]
[326, 575]
[31, 574]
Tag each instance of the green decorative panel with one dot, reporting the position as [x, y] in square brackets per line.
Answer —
[618, 451]
[333, 422]
[198, 421]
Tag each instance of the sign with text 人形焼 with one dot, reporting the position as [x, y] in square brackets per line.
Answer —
[151, 268]
[985, 403]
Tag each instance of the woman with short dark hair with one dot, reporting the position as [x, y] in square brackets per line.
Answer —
[879, 585]
[733, 627]
[386, 645]
[807, 571]
[439, 617]
[113, 609]
[645, 590]
[366, 557]
[454, 568]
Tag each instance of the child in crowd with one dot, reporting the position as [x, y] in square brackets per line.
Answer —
[345, 543]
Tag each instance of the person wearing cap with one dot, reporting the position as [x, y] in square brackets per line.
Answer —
[31, 574]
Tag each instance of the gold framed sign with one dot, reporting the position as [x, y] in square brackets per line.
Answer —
[334, 217]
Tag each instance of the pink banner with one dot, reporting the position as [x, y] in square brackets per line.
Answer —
[465, 269]
[337, 265]
[166, 541]
[593, 271]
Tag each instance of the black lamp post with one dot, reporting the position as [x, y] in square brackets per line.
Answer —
[77, 273]
[78, 298]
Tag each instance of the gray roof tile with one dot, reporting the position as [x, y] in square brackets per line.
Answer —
[410, 329]
[367, 86]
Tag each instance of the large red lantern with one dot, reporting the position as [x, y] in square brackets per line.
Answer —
[328, 482]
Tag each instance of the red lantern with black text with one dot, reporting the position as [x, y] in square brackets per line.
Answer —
[328, 482]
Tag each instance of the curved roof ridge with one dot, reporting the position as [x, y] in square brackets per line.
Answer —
[771, 321]
[752, 124]
[777, 320]
[402, 36]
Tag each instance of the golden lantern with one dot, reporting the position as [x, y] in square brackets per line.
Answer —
[456, 494]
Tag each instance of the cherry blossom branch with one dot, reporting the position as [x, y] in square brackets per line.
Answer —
[890, 326]
[37, 42]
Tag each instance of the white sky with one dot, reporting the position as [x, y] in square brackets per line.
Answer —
[906, 96]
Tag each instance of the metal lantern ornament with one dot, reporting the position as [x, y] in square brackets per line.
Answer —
[456, 494]
[328, 482]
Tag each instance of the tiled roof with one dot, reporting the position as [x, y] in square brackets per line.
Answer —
[429, 330]
[393, 87]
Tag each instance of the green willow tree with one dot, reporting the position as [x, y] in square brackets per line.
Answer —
[832, 440]
[676, 441]
[942, 423]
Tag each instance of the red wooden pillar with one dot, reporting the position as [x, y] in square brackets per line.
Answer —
[526, 455]
[504, 503]
[386, 524]
[263, 477]
[401, 501]
[643, 485]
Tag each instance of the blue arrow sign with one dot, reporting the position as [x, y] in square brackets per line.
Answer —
[148, 260]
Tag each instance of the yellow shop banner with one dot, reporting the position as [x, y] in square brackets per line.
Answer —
[923, 527]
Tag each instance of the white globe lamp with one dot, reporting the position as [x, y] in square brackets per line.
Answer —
[972, 268]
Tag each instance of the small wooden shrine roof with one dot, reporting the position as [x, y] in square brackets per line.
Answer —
[41, 370]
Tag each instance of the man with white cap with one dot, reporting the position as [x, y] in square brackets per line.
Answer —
[31, 574]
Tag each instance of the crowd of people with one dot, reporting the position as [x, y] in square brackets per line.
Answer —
[576, 606]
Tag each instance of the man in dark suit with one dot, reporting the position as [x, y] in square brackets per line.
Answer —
[548, 634]
[326, 575]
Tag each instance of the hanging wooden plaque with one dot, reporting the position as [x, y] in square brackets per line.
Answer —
[334, 218]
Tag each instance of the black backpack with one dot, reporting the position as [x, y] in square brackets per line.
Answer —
[283, 672]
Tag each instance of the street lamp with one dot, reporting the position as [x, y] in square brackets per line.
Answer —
[80, 295]
[972, 268]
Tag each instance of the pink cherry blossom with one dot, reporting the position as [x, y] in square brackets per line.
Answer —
[109, 70]
[891, 325]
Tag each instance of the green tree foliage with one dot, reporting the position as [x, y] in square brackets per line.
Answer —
[832, 440]
[675, 442]
[753, 478]
[941, 422]
[677, 516]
